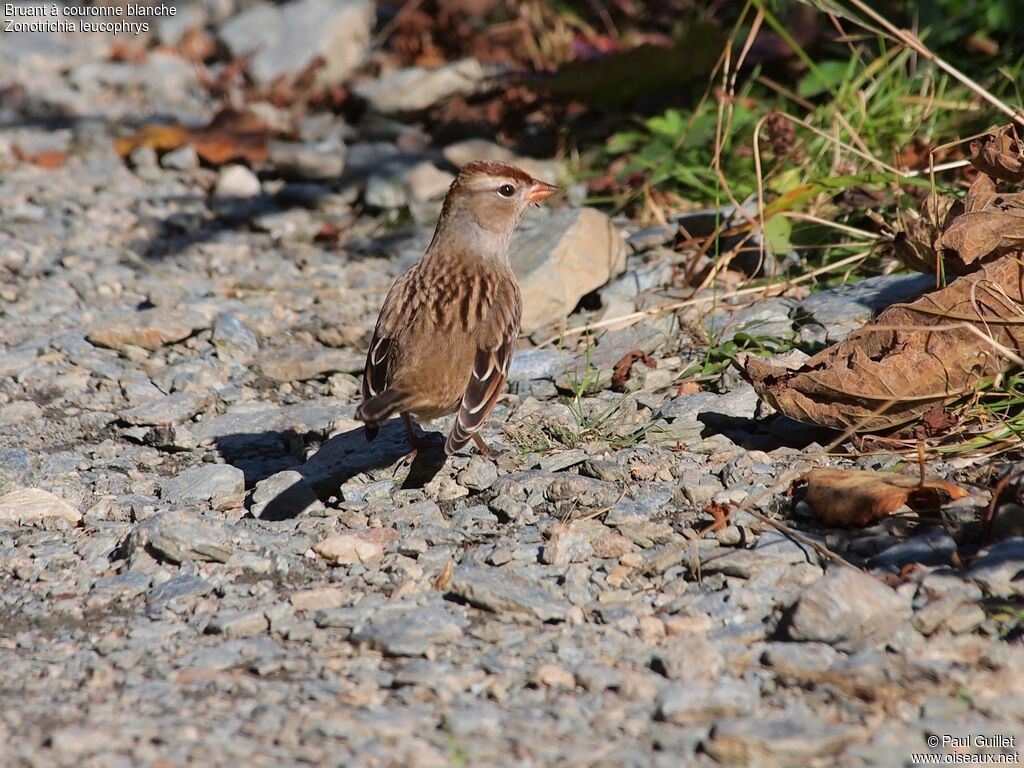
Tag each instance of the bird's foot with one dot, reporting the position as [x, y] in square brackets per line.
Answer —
[485, 450]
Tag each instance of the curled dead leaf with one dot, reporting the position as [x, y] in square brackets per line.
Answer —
[999, 154]
[48, 158]
[231, 136]
[721, 514]
[936, 421]
[622, 369]
[443, 579]
[912, 356]
[848, 497]
[688, 388]
[916, 246]
[158, 137]
[991, 225]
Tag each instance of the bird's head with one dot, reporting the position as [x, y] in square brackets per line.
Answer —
[486, 202]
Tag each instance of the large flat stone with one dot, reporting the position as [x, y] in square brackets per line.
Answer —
[284, 39]
[31, 506]
[560, 256]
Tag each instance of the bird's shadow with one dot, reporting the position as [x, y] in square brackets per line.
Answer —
[337, 460]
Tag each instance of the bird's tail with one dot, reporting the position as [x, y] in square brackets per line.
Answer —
[379, 408]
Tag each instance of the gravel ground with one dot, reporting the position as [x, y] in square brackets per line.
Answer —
[203, 562]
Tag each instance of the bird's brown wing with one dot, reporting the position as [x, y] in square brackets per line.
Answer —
[400, 305]
[490, 369]
[380, 357]
[375, 373]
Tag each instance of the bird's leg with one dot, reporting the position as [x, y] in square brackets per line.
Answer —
[414, 441]
[485, 450]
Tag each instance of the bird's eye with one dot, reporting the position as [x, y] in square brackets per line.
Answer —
[506, 190]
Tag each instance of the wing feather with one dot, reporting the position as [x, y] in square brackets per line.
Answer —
[486, 381]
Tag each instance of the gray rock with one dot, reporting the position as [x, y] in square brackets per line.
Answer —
[410, 631]
[468, 150]
[312, 161]
[838, 311]
[935, 547]
[125, 585]
[999, 571]
[637, 281]
[238, 623]
[171, 29]
[178, 587]
[649, 238]
[425, 181]
[19, 412]
[170, 409]
[284, 495]
[303, 363]
[707, 407]
[220, 485]
[776, 741]
[284, 39]
[504, 591]
[479, 474]
[592, 369]
[80, 742]
[566, 545]
[686, 703]
[148, 328]
[417, 88]
[236, 181]
[184, 158]
[385, 192]
[799, 660]
[33, 506]
[606, 470]
[233, 339]
[532, 364]
[178, 539]
[560, 257]
[954, 613]
[765, 319]
[349, 549]
[849, 610]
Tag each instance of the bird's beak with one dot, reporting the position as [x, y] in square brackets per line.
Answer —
[540, 190]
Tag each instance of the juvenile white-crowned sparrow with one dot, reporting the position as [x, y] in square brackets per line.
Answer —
[445, 335]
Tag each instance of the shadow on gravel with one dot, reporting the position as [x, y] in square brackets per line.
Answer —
[337, 460]
[765, 435]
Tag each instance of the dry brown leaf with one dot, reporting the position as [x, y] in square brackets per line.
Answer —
[443, 579]
[721, 514]
[232, 135]
[129, 52]
[999, 154]
[622, 369]
[991, 229]
[688, 388]
[48, 158]
[161, 138]
[916, 244]
[936, 420]
[196, 45]
[979, 196]
[845, 497]
[895, 368]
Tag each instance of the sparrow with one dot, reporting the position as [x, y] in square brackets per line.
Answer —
[444, 337]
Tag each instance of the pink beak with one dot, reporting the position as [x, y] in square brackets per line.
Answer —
[540, 190]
